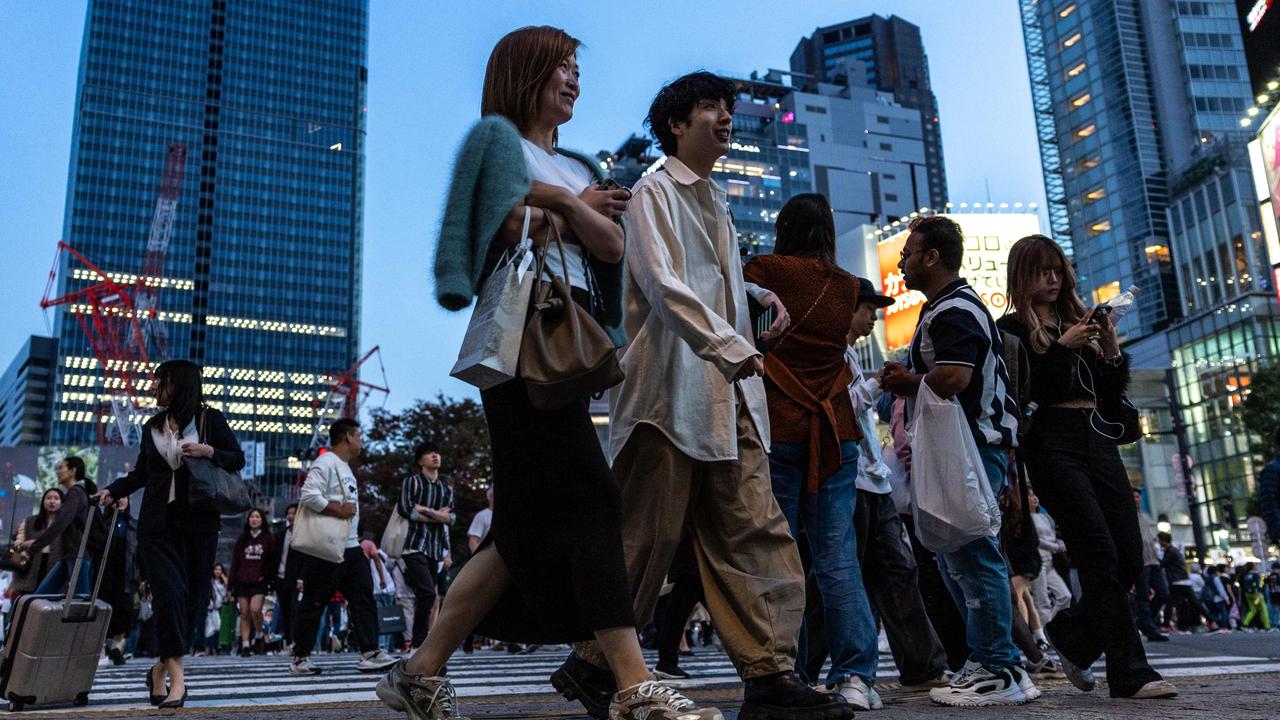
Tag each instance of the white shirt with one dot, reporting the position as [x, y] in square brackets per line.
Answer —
[572, 175]
[169, 445]
[284, 552]
[873, 474]
[327, 478]
[481, 523]
[378, 587]
[686, 314]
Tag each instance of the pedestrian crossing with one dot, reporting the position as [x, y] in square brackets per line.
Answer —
[222, 682]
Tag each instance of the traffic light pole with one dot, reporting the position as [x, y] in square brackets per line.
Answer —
[1184, 460]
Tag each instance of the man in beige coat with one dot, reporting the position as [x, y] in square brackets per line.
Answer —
[689, 428]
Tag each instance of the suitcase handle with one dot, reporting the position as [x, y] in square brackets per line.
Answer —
[84, 543]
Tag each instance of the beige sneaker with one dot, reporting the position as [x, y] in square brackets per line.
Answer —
[418, 696]
[652, 700]
[1156, 690]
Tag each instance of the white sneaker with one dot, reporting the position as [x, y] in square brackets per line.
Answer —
[874, 697]
[375, 661]
[855, 692]
[303, 666]
[975, 686]
[1025, 683]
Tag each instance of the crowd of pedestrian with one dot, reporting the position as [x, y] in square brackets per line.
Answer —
[746, 489]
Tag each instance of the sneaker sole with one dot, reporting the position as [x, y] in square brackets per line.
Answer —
[1076, 676]
[661, 675]
[388, 696]
[361, 667]
[833, 711]
[1012, 696]
[568, 687]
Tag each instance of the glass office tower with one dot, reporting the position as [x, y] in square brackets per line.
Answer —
[261, 282]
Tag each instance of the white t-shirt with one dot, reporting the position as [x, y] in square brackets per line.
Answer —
[481, 523]
[326, 479]
[568, 173]
[378, 587]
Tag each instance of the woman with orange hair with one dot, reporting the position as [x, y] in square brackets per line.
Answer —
[551, 569]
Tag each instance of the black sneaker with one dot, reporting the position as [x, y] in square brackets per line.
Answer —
[784, 696]
[259, 647]
[244, 651]
[116, 653]
[663, 671]
[577, 679]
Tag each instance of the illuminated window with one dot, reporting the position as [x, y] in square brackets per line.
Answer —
[1104, 293]
[1071, 40]
[1100, 227]
[1157, 253]
[1086, 131]
[1076, 70]
[1067, 10]
[1096, 194]
[1090, 163]
[1081, 101]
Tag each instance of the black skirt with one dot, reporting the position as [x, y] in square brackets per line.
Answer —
[556, 523]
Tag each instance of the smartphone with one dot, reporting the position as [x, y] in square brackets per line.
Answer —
[1098, 312]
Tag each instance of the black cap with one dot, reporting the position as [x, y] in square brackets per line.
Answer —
[867, 293]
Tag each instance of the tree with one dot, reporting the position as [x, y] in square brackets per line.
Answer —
[458, 428]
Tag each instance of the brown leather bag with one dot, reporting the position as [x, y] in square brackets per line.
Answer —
[565, 355]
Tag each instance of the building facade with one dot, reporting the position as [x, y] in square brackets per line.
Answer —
[892, 52]
[261, 281]
[25, 391]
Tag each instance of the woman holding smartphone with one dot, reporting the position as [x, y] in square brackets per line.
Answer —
[551, 569]
[1071, 457]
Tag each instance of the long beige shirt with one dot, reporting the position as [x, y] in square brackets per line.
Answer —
[686, 315]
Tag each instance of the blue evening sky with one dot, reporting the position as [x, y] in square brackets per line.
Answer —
[426, 65]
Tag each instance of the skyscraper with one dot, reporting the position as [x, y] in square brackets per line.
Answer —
[895, 62]
[1126, 93]
[261, 282]
[25, 389]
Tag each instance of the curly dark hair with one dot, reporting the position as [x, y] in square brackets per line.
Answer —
[675, 102]
[942, 234]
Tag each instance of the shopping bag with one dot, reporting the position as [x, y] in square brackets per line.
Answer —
[490, 352]
[951, 500]
[899, 480]
[394, 534]
[321, 536]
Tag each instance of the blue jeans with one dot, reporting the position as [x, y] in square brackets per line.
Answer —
[827, 521]
[978, 580]
[55, 583]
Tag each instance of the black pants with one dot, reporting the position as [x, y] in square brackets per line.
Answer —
[1081, 481]
[179, 567]
[939, 603]
[286, 604]
[1149, 596]
[422, 575]
[1185, 605]
[320, 579]
[894, 588]
[685, 594]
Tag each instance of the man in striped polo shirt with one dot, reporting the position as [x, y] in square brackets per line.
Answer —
[957, 350]
[427, 503]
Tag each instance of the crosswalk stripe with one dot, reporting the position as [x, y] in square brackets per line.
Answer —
[265, 681]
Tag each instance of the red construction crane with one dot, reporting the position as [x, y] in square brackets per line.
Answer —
[347, 394]
[119, 316]
[149, 282]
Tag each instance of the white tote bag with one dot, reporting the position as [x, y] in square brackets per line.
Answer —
[951, 500]
[394, 534]
[321, 536]
[490, 351]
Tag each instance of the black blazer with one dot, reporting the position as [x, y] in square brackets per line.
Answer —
[292, 563]
[157, 515]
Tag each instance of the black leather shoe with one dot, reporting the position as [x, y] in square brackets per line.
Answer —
[579, 680]
[151, 691]
[174, 704]
[784, 696]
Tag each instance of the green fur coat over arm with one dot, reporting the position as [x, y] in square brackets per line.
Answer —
[489, 178]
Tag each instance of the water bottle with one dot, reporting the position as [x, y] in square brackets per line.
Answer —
[1120, 305]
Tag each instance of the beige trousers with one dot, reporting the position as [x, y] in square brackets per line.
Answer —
[750, 567]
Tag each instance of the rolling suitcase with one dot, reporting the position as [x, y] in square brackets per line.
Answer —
[52, 652]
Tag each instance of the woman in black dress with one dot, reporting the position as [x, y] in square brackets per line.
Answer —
[552, 568]
[176, 539]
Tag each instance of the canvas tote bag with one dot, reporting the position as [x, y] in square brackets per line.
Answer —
[321, 536]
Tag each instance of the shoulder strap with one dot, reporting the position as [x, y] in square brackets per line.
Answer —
[787, 333]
